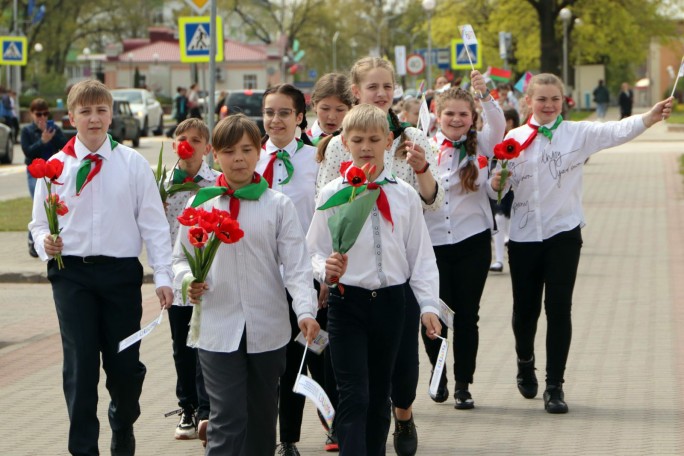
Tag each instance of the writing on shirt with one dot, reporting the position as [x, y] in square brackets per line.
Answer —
[554, 159]
[524, 207]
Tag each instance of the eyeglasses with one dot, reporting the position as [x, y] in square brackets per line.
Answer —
[42, 114]
[281, 113]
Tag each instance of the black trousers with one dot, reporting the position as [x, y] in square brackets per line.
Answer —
[406, 367]
[463, 269]
[98, 305]
[548, 267]
[291, 409]
[243, 391]
[190, 389]
[365, 329]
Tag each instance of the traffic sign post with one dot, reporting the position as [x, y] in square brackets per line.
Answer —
[13, 50]
[459, 55]
[198, 5]
[194, 39]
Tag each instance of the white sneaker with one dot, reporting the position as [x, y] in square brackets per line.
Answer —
[496, 267]
[186, 429]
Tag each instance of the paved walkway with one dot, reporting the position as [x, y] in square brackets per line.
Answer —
[624, 377]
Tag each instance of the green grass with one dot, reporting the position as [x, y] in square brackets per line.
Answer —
[579, 115]
[676, 118]
[15, 214]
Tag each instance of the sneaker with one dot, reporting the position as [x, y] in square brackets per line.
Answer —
[202, 431]
[405, 436]
[288, 449]
[527, 379]
[123, 442]
[554, 399]
[187, 428]
[32, 250]
[442, 390]
[331, 443]
[464, 400]
[496, 267]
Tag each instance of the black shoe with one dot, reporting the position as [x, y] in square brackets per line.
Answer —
[527, 379]
[442, 390]
[554, 399]
[405, 437]
[464, 400]
[32, 250]
[123, 442]
[331, 443]
[288, 449]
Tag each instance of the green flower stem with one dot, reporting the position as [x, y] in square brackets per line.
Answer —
[502, 182]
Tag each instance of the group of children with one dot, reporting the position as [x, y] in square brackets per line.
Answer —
[426, 238]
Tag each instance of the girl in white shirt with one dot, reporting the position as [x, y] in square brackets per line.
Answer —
[546, 222]
[331, 100]
[461, 229]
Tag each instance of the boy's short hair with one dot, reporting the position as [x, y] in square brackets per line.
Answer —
[229, 131]
[90, 92]
[197, 124]
[365, 117]
[38, 104]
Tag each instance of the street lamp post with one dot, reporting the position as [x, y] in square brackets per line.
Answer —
[565, 15]
[38, 48]
[334, 50]
[429, 7]
[86, 55]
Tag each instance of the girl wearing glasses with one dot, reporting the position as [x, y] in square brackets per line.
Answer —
[39, 140]
[288, 164]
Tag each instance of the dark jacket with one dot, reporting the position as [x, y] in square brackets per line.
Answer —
[33, 147]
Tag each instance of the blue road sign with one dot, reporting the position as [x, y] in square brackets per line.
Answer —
[441, 57]
[195, 41]
[313, 74]
[13, 50]
[459, 55]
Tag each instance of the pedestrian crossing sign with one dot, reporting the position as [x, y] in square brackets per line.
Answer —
[459, 55]
[194, 39]
[13, 50]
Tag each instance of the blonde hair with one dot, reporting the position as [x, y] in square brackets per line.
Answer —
[89, 92]
[193, 123]
[229, 131]
[544, 79]
[364, 65]
[365, 117]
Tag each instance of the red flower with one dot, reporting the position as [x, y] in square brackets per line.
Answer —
[344, 166]
[482, 161]
[37, 168]
[198, 236]
[190, 216]
[184, 150]
[209, 220]
[53, 169]
[229, 231]
[355, 176]
[62, 209]
[507, 150]
[54, 201]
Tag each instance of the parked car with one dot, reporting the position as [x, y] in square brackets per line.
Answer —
[124, 124]
[145, 107]
[6, 145]
[249, 102]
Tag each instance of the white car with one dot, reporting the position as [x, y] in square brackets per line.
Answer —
[146, 109]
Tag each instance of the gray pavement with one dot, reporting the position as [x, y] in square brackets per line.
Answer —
[624, 376]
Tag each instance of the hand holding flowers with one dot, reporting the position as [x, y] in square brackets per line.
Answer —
[505, 151]
[49, 171]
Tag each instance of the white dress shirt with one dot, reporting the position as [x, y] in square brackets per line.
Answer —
[547, 176]
[302, 186]
[246, 290]
[382, 256]
[465, 214]
[114, 214]
[315, 131]
[177, 202]
[335, 154]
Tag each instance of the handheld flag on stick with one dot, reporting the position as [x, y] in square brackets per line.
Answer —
[680, 74]
[468, 35]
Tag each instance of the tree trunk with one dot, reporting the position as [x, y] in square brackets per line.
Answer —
[551, 45]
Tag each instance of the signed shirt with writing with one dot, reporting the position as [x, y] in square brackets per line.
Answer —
[547, 176]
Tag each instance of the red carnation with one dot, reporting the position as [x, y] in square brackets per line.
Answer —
[184, 150]
[507, 150]
[198, 236]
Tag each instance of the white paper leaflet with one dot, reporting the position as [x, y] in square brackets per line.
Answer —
[446, 315]
[439, 367]
[138, 335]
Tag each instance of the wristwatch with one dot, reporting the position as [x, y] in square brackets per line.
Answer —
[484, 95]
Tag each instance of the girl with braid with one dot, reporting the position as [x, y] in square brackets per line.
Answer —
[461, 229]
[412, 159]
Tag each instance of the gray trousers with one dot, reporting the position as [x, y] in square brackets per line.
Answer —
[243, 396]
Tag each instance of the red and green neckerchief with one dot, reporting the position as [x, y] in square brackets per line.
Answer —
[285, 157]
[460, 145]
[548, 132]
[355, 188]
[85, 174]
[180, 177]
[252, 192]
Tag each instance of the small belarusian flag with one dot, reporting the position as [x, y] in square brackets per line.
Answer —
[499, 74]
